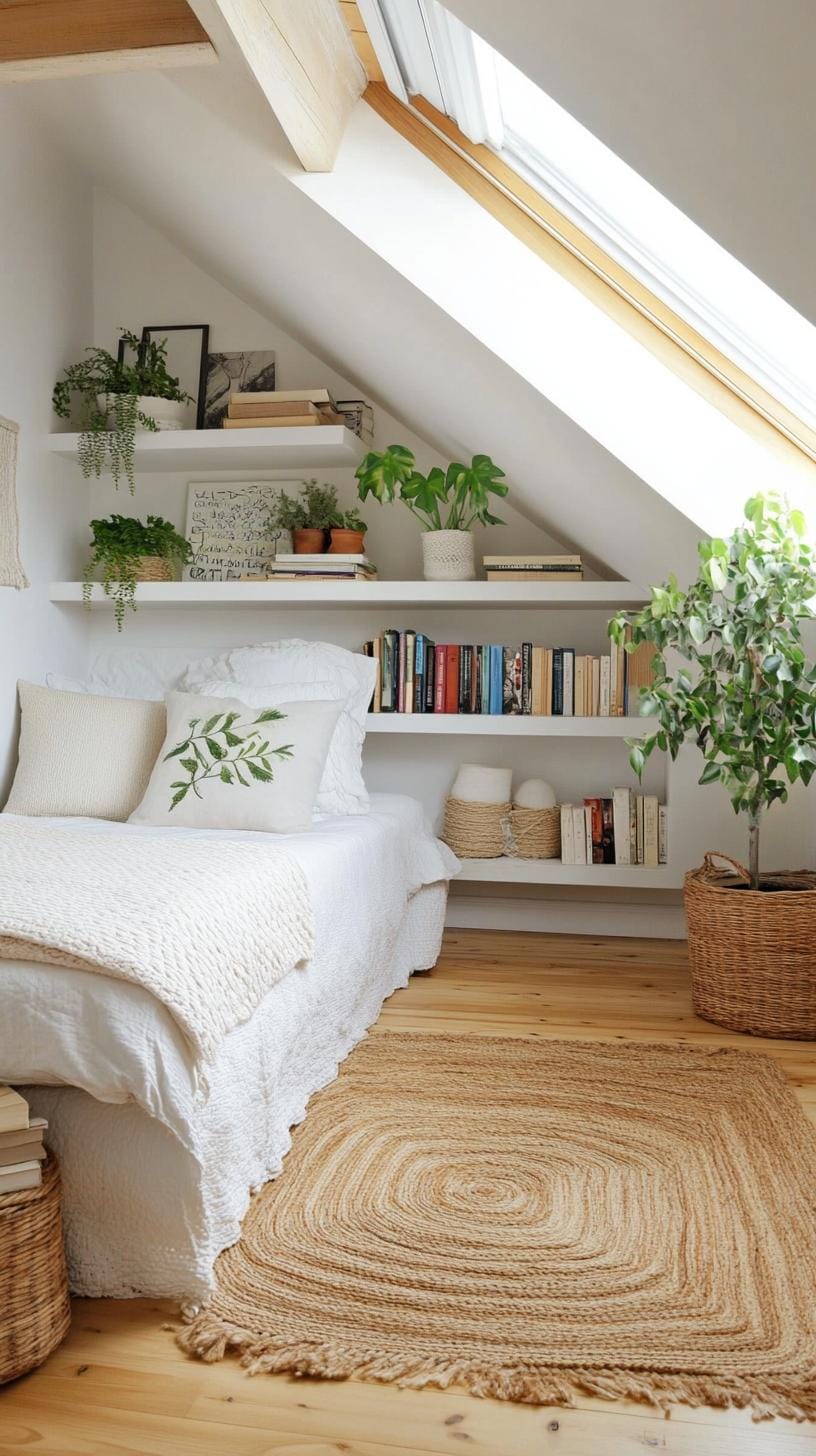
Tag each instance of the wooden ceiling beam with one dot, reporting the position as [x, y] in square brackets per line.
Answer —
[41, 39]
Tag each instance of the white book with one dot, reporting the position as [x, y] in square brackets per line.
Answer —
[650, 831]
[567, 839]
[662, 834]
[588, 834]
[603, 700]
[595, 694]
[323, 558]
[13, 1110]
[639, 831]
[568, 689]
[579, 833]
[621, 816]
[281, 396]
[20, 1175]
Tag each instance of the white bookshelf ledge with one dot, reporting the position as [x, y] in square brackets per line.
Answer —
[510, 724]
[553, 872]
[608, 596]
[293, 447]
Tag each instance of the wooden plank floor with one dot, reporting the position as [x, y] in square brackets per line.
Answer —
[119, 1386]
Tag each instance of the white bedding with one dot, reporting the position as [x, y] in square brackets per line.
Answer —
[61, 1028]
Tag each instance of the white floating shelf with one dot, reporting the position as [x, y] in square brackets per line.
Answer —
[293, 447]
[553, 872]
[510, 725]
[606, 596]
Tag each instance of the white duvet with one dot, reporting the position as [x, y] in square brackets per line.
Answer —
[67, 1028]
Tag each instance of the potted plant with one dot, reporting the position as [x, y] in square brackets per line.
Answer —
[129, 551]
[115, 398]
[745, 692]
[447, 545]
[349, 536]
[309, 515]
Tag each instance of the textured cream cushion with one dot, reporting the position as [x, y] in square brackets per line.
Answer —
[226, 765]
[83, 755]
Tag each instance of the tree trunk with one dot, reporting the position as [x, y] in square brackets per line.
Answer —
[753, 849]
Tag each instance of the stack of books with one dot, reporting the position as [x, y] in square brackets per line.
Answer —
[533, 568]
[322, 566]
[21, 1143]
[627, 829]
[417, 675]
[278, 408]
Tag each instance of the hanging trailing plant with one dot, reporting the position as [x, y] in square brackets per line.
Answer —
[118, 545]
[109, 392]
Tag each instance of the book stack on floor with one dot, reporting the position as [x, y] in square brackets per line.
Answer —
[533, 568]
[282, 408]
[21, 1144]
[417, 675]
[626, 829]
[325, 566]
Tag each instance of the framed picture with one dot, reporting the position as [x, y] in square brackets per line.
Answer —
[187, 346]
[243, 372]
[228, 528]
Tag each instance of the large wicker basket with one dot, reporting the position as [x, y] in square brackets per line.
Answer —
[474, 831]
[34, 1307]
[533, 833]
[753, 952]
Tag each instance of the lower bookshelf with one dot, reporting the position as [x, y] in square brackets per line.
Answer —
[552, 872]
[510, 725]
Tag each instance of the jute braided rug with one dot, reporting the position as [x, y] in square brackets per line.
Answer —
[533, 1219]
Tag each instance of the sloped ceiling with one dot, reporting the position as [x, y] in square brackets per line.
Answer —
[710, 100]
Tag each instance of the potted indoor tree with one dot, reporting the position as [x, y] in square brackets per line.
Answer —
[309, 515]
[744, 690]
[348, 537]
[446, 503]
[117, 397]
[129, 551]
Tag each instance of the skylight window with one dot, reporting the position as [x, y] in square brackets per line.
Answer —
[494, 103]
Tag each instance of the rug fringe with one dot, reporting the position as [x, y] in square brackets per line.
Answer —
[209, 1338]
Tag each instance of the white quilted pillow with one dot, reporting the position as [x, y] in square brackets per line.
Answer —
[297, 671]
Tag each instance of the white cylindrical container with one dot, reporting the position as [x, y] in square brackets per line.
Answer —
[448, 556]
[475, 784]
[535, 794]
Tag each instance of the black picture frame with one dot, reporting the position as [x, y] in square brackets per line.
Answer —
[204, 330]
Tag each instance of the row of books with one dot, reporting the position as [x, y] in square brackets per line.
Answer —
[628, 829]
[416, 675]
[320, 566]
[277, 408]
[533, 568]
[21, 1143]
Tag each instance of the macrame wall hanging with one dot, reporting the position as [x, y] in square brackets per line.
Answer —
[11, 567]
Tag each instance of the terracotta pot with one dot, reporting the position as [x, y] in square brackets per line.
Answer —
[347, 542]
[308, 540]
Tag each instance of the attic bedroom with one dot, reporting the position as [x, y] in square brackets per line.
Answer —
[407, 725]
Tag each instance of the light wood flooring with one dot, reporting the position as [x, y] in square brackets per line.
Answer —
[119, 1387]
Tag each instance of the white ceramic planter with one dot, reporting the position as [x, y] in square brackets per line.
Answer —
[448, 556]
[168, 413]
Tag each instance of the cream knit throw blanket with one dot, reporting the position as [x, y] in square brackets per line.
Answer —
[206, 925]
[11, 568]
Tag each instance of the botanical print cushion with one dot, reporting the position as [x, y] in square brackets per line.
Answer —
[227, 765]
[83, 756]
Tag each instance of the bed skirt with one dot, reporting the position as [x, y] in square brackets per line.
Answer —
[137, 1218]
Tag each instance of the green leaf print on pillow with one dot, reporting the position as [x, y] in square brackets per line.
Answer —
[222, 748]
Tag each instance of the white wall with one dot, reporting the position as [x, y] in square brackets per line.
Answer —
[45, 319]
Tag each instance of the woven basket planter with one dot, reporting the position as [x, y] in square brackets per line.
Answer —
[533, 833]
[753, 952]
[474, 831]
[34, 1308]
[153, 568]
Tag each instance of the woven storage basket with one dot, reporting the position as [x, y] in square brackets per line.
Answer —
[34, 1307]
[533, 833]
[753, 952]
[474, 831]
[154, 568]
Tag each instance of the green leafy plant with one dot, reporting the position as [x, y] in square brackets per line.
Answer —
[353, 521]
[117, 546]
[314, 508]
[222, 748]
[745, 692]
[108, 392]
[465, 490]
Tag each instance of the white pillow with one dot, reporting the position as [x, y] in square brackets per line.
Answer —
[83, 755]
[131, 672]
[302, 670]
[227, 765]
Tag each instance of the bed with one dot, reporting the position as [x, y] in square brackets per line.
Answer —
[156, 1176]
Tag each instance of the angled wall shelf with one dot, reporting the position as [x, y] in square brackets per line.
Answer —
[296, 447]
[553, 872]
[607, 596]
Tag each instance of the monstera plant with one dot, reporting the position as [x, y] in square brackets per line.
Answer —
[447, 503]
